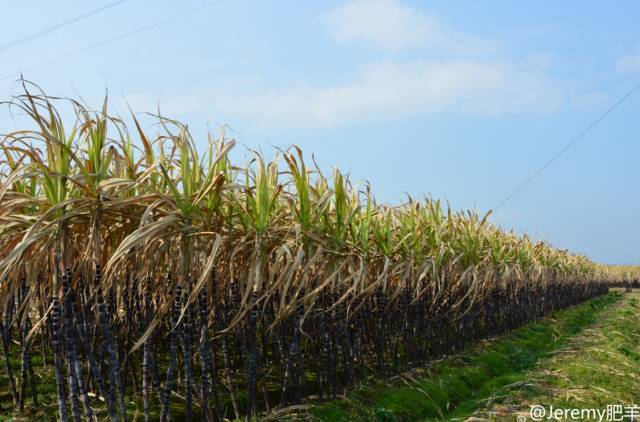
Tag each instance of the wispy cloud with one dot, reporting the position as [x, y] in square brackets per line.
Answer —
[390, 90]
[629, 63]
[392, 25]
[449, 71]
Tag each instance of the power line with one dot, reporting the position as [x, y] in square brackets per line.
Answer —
[57, 26]
[117, 38]
[567, 146]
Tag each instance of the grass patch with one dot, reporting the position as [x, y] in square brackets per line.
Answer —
[599, 368]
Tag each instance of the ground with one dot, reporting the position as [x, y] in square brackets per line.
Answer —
[598, 368]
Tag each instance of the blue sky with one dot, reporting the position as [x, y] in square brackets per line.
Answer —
[458, 100]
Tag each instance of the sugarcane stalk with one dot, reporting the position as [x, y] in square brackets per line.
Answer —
[5, 332]
[56, 338]
[109, 346]
[174, 337]
[146, 353]
[252, 357]
[94, 368]
[221, 322]
[26, 366]
[77, 391]
[187, 358]
[208, 362]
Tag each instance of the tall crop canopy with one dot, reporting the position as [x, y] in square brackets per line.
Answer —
[162, 245]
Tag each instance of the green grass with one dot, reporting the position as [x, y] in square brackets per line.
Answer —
[456, 386]
[600, 367]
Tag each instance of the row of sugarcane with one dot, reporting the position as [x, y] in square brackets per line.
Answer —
[147, 274]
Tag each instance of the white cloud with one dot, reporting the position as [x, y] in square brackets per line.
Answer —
[390, 90]
[392, 25]
[457, 75]
[586, 100]
[629, 63]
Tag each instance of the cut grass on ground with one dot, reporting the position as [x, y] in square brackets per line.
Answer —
[600, 367]
[457, 386]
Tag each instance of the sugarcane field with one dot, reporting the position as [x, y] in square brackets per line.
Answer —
[157, 264]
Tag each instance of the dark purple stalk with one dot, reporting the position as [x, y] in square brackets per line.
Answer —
[109, 348]
[173, 355]
[252, 357]
[5, 332]
[76, 383]
[146, 353]
[186, 356]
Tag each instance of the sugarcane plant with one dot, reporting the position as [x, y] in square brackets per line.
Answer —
[151, 275]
